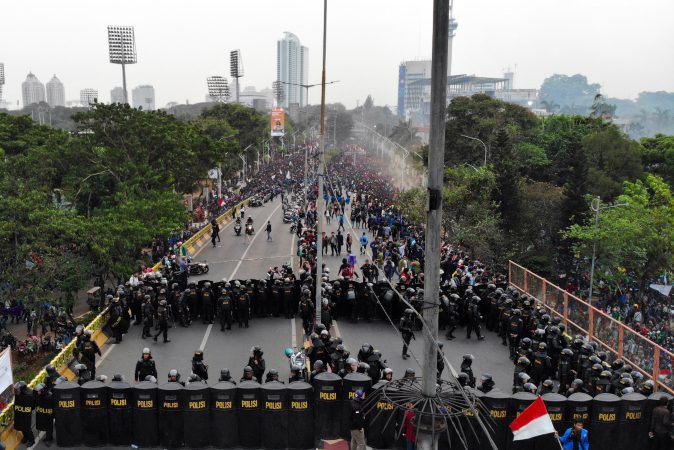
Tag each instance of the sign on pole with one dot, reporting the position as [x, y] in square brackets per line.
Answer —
[278, 119]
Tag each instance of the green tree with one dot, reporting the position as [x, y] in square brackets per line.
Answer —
[575, 188]
[658, 156]
[573, 93]
[506, 189]
[638, 236]
[249, 123]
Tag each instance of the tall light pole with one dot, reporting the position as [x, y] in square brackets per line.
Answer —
[597, 208]
[122, 49]
[236, 69]
[320, 205]
[481, 142]
[2, 78]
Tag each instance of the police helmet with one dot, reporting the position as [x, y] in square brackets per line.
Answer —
[548, 383]
[294, 369]
[484, 377]
[173, 373]
[410, 373]
[318, 364]
[605, 374]
[40, 387]
[468, 357]
[526, 342]
[567, 352]
[146, 351]
[523, 361]
[524, 377]
[530, 387]
[118, 377]
[247, 369]
[102, 378]
[224, 374]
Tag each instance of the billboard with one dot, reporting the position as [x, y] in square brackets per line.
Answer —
[278, 122]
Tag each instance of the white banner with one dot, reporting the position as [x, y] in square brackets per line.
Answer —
[6, 377]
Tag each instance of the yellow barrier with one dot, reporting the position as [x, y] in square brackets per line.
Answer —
[193, 242]
[60, 362]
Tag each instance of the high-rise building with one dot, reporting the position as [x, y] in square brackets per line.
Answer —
[117, 95]
[88, 96]
[2, 78]
[292, 69]
[56, 94]
[32, 90]
[143, 97]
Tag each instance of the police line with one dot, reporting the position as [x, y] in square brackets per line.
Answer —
[297, 415]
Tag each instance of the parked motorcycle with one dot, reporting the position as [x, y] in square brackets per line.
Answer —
[198, 268]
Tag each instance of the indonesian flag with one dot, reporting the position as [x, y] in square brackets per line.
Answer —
[534, 421]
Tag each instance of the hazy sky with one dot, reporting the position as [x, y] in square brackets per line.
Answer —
[624, 45]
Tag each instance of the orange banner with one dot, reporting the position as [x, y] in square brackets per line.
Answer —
[278, 122]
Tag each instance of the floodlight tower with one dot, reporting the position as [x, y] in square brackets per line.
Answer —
[279, 92]
[122, 45]
[236, 68]
[218, 88]
[2, 78]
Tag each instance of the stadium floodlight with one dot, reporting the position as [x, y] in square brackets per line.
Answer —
[279, 92]
[236, 68]
[218, 88]
[122, 47]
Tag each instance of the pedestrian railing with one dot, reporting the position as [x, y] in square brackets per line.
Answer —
[60, 363]
[201, 237]
[580, 317]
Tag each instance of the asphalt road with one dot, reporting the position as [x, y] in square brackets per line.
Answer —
[234, 258]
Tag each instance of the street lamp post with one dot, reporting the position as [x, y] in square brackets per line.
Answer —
[481, 142]
[597, 211]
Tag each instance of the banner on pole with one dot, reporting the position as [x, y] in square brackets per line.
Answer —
[278, 122]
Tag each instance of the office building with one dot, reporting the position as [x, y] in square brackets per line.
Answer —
[32, 90]
[292, 69]
[56, 94]
[143, 97]
[117, 95]
[88, 96]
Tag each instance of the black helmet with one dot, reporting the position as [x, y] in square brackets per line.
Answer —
[199, 355]
[410, 373]
[617, 364]
[50, 369]
[523, 361]
[578, 382]
[524, 377]
[224, 374]
[594, 359]
[462, 378]
[273, 374]
[318, 364]
[567, 352]
[648, 387]
[247, 369]
[40, 387]
[484, 377]
[118, 377]
[548, 383]
[468, 358]
[597, 368]
[526, 342]
[294, 369]
[409, 311]
[530, 387]
[173, 373]
[517, 311]
[542, 346]
[605, 374]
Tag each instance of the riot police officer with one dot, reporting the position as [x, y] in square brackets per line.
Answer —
[225, 309]
[207, 304]
[184, 307]
[243, 309]
[162, 317]
[117, 319]
[486, 383]
[541, 364]
[547, 387]
[148, 317]
[523, 366]
[318, 369]
[44, 412]
[257, 363]
[474, 318]
[174, 377]
[515, 328]
[82, 373]
[198, 366]
[405, 327]
[24, 403]
[306, 309]
[226, 376]
[466, 367]
[564, 368]
[145, 366]
[295, 374]
[272, 375]
[87, 352]
[452, 316]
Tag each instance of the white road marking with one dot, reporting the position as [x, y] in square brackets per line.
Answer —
[202, 347]
[105, 354]
[236, 269]
[293, 331]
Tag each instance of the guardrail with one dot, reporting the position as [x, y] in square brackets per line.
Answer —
[580, 317]
[195, 240]
[60, 362]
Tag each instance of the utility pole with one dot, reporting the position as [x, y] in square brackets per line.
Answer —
[427, 439]
[320, 205]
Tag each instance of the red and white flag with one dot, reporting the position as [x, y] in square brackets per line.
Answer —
[534, 421]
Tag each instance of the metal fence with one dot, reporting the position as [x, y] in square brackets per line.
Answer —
[580, 317]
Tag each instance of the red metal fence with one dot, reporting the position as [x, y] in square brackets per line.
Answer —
[581, 318]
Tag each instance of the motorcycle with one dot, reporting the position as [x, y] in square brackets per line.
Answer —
[298, 358]
[255, 202]
[237, 228]
[293, 228]
[199, 268]
[249, 229]
[288, 217]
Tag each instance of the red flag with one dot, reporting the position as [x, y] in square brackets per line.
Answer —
[534, 421]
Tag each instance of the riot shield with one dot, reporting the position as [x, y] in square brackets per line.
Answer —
[605, 422]
[327, 405]
[518, 403]
[248, 412]
[300, 430]
[120, 414]
[350, 384]
[578, 409]
[274, 415]
[633, 422]
[171, 405]
[67, 403]
[197, 417]
[497, 403]
[94, 414]
[557, 410]
[145, 431]
[224, 431]
[380, 421]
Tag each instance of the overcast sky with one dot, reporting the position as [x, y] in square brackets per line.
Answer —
[627, 46]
